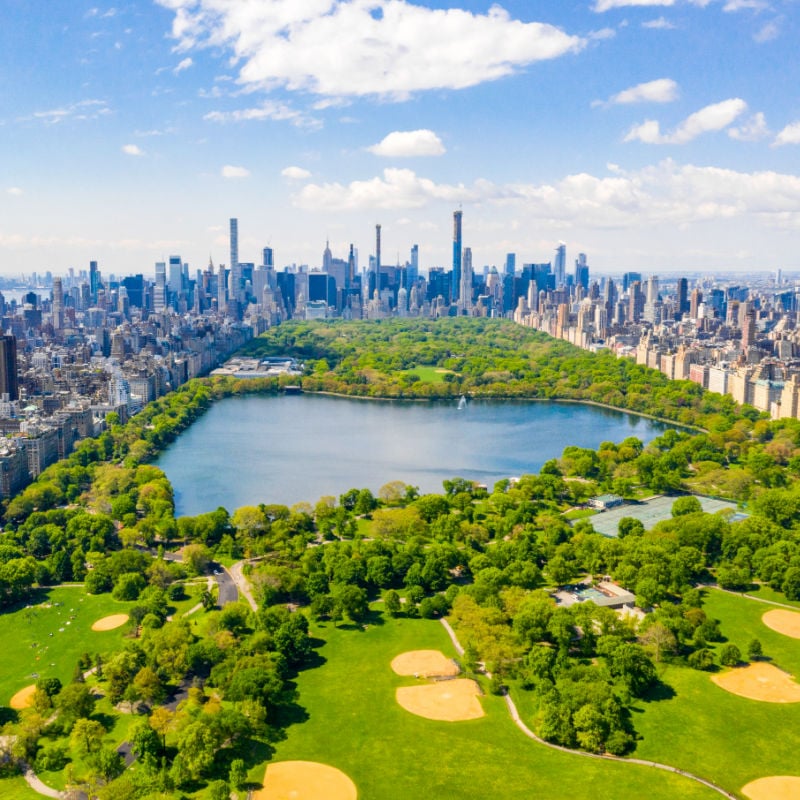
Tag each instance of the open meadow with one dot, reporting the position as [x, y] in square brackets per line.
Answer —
[46, 637]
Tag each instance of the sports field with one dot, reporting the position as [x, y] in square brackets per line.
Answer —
[650, 512]
[355, 725]
[727, 725]
[47, 637]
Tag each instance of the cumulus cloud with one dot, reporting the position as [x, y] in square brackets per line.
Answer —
[407, 144]
[14, 191]
[663, 193]
[663, 90]
[789, 135]
[229, 171]
[295, 173]
[388, 48]
[715, 117]
[742, 5]
[753, 130]
[132, 150]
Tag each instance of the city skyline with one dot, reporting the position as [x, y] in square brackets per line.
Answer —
[649, 134]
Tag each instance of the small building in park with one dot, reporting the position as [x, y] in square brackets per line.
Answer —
[605, 501]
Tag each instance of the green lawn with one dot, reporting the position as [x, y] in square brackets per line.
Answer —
[47, 639]
[706, 730]
[16, 789]
[764, 592]
[427, 374]
[355, 724]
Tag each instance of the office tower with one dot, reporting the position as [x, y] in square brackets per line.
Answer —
[629, 278]
[694, 303]
[268, 258]
[175, 275]
[58, 304]
[135, 287]
[582, 272]
[652, 289]
[327, 257]
[350, 275]
[683, 296]
[413, 267]
[560, 265]
[465, 290]
[635, 302]
[375, 282]
[94, 280]
[511, 263]
[8, 367]
[455, 278]
[160, 291]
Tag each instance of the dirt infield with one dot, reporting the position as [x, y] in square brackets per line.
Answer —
[424, 664]
[760, 681]
[305, 780]
[109, 623]
[782, 787]
[23, 698]
[446, 701]
[783, 621]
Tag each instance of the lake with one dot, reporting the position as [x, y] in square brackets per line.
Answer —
[292, 448]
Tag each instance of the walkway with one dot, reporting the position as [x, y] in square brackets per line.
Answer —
[33, 780]
[242, 584]
[512, 710]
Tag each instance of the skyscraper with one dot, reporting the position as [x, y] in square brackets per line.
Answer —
[160, 290]
[455, 278]
[8, 367]
[582, 272]
[236, 271]
[58, 304]
[560, 265]
[377, 284]
[465, 290]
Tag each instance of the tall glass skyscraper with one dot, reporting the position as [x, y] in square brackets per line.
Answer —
[455, 278]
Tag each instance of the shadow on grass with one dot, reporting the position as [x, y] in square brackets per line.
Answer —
[8, 715]
[661, 691]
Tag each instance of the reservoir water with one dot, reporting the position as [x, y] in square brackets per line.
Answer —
[293, 448]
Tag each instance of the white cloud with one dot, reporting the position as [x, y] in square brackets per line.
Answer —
[184, 64]
[767, 32]
[267, 110]
[661, 23]
[742, 5]
[389, 48]
[295, 173]
[132, 150]
[752, 130]
[229, 171]
[82, 110]
[407, 144]
[789, 135]
[663, 90]
[711, 118]
[665, 193]
[14, 191]
[606, 5]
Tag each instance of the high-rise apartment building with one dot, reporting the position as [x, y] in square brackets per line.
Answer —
[465, 290]
[235, 277]
[455, 278]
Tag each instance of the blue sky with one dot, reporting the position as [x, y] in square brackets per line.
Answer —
[651, 134]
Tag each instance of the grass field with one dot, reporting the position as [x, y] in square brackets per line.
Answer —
[764, 592]
[16, 789]
[355, 725]
[728, 726]
[43, 639]
[427, 374]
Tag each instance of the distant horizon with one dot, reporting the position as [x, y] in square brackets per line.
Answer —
[662, 133]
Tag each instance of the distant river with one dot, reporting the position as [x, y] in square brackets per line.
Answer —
[286, 449]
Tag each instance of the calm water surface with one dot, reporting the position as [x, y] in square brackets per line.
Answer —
[287, 449]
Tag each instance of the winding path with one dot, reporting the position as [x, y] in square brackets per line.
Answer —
[514, 713]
